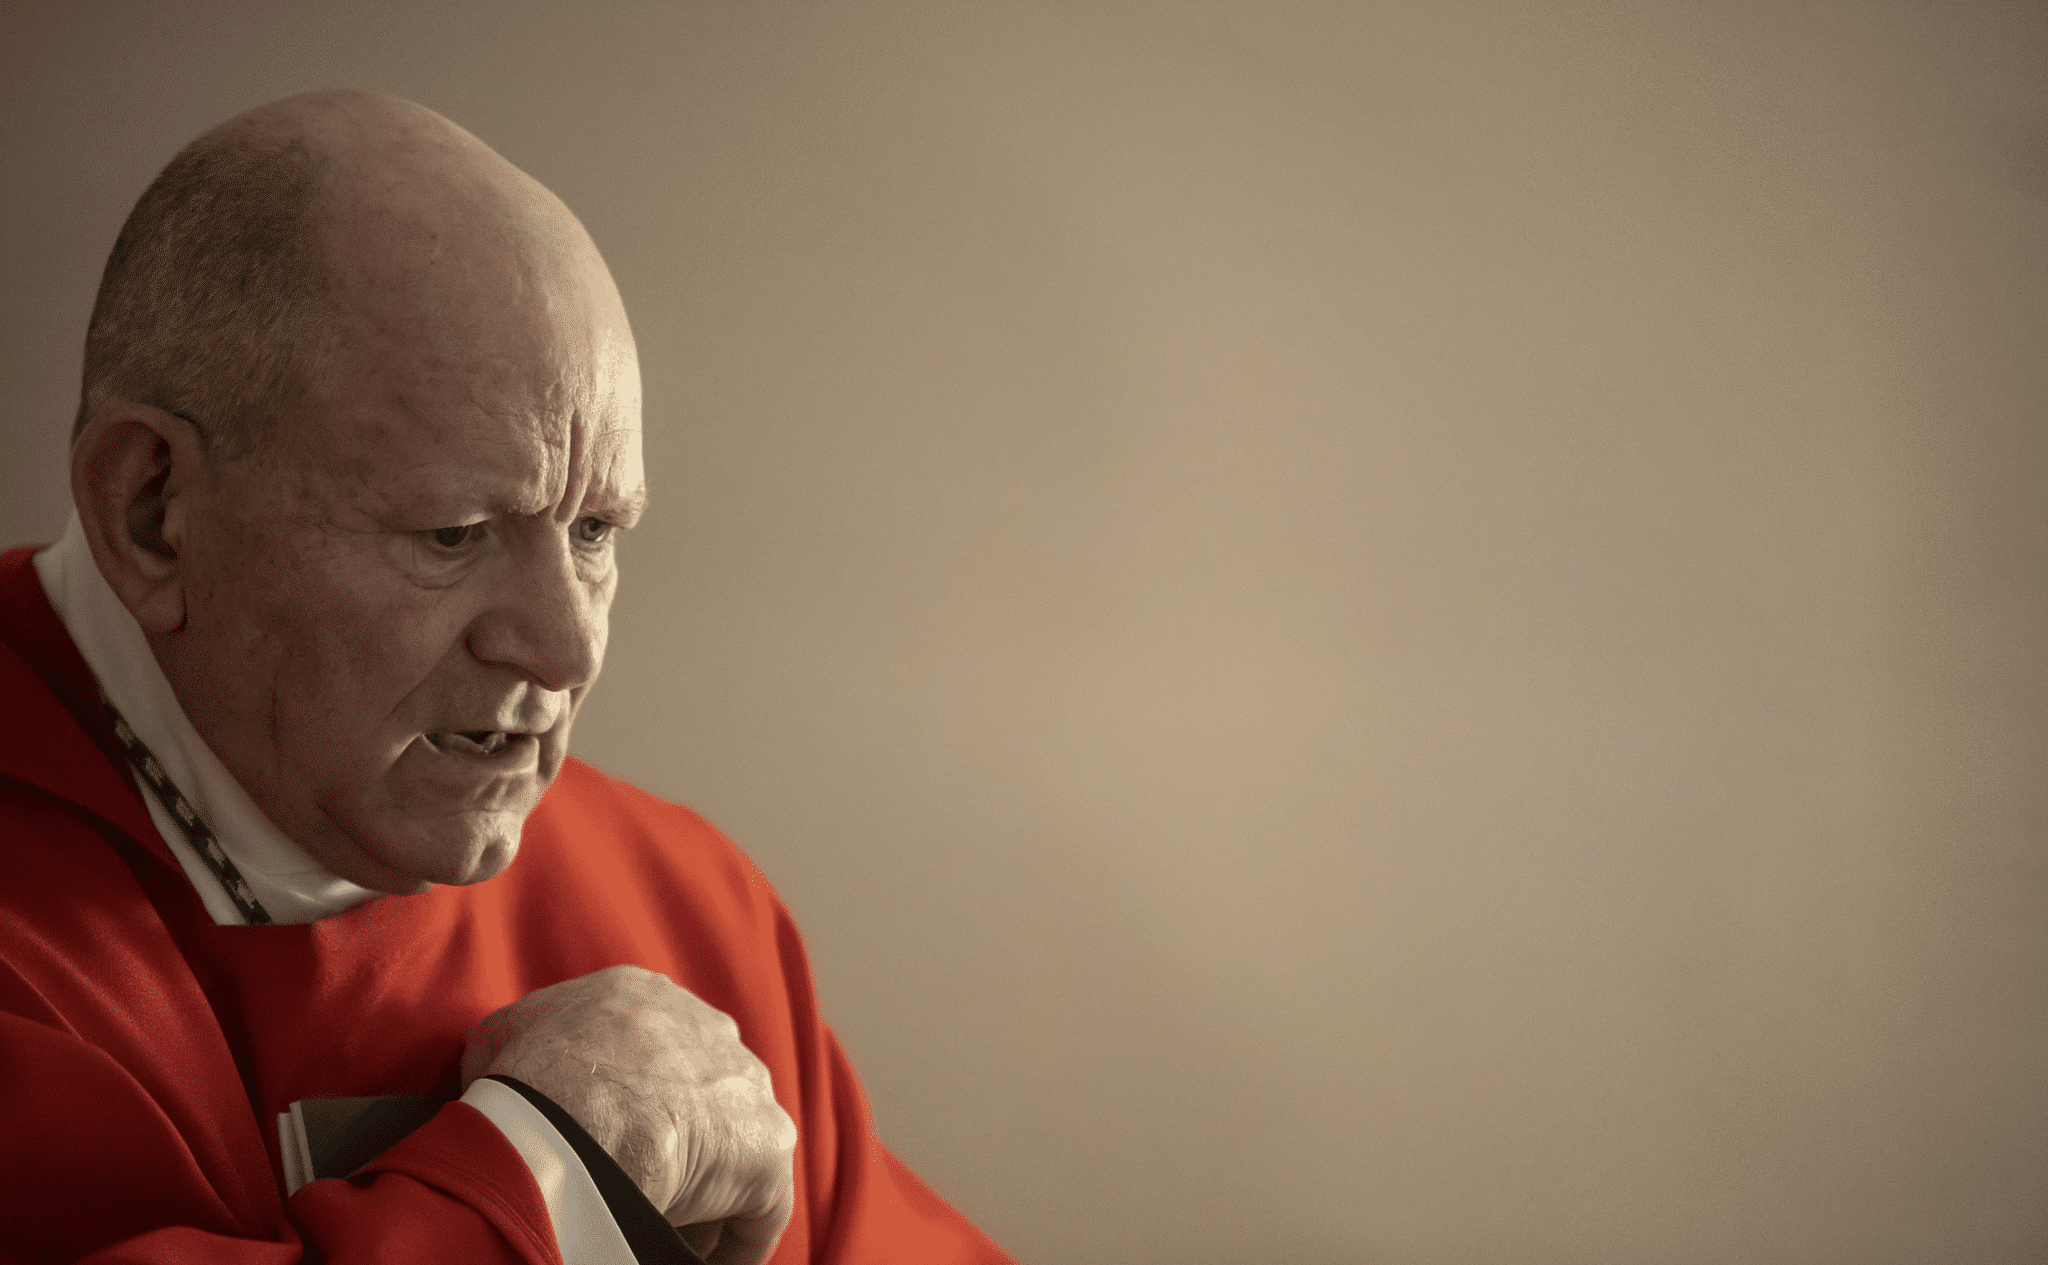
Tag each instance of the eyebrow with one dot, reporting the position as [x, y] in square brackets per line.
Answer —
[633, 503]
[625, 504]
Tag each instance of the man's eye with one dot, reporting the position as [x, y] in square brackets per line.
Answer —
[456, 537]
[592, 531]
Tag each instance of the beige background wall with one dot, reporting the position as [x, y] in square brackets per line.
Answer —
[1396, 633]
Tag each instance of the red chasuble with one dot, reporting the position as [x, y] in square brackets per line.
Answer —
[145, 1052]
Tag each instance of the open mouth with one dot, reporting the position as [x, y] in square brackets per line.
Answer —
[477, 742]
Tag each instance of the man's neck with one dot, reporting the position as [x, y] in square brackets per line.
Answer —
[290, 884]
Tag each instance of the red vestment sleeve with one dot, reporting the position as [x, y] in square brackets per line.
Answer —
[456, 1189]
[93, 1171]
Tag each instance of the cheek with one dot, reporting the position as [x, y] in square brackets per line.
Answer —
[248, 615]
[601, 611]
[362, 652]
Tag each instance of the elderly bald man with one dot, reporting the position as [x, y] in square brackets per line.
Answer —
[285, 784]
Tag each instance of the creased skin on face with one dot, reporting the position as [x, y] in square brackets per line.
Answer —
[431, 549]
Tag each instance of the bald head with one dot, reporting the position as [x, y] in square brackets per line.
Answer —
[384, 623]
[299, 243]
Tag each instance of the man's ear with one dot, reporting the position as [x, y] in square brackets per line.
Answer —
[134, 472]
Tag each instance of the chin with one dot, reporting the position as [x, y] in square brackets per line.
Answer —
[485, 859]
[409, 862]
[432, 823]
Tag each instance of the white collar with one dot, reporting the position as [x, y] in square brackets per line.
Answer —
[286, 879]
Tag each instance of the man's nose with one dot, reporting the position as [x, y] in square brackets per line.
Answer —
[547, 621]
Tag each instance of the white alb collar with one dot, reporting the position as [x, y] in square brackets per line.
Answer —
[292, 886]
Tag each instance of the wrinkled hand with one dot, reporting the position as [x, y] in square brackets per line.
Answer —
[660, 1080]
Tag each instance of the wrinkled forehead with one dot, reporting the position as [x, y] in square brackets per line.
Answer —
[511, 430]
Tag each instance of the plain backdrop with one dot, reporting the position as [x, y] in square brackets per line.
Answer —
[1359, 632]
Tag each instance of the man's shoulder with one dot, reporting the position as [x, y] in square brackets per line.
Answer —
[55, 741]
[605, 827]
[587, 796]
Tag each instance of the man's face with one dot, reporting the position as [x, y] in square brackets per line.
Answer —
[393, 612]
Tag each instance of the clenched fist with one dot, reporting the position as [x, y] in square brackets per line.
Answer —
[660, 1080]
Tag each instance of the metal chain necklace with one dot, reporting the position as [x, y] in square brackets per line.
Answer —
[188, 819]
